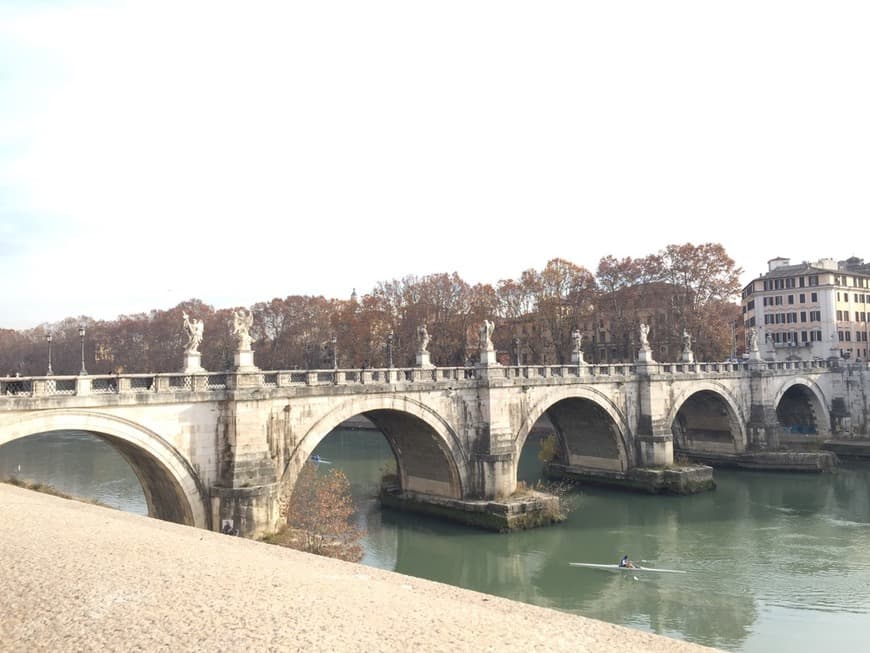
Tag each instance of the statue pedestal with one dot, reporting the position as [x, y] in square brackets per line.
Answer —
[423, 359]
[645, 356]
[244, 360]
[577, 358]
[488, 358]
[687, 357]
[192, 363]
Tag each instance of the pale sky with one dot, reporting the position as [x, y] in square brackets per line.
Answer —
[155, 151]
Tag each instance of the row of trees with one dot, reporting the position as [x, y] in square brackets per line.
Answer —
[682, 287]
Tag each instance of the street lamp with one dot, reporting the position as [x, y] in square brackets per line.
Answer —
[82, 336]
[48, 340]
[517, 351]
[334, 353]
[390, 350]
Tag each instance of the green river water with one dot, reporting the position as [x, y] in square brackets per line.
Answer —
[773, 562]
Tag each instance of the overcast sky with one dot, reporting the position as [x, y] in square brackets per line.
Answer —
[156, 151]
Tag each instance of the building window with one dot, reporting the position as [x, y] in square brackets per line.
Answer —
[815, 316]
[791, 299]
[751, 305]
[802, 298]
[813, 280]
[814, 297]
[803, 316]
[803, 336]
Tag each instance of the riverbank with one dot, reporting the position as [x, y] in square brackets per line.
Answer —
[80, 577]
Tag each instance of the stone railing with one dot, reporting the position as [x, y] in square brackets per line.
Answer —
[729, 368]
[53, 386]
[565, 371]
[47, 386]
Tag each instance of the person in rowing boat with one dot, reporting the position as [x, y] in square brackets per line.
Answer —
[625, 562]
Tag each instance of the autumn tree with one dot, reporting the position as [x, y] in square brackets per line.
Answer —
[557, 299]
[289, 333]
[320, 515]
[623, 286]
[448, 306]
[681, 287]
[703, 278]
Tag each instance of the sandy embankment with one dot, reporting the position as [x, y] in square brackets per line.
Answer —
[78, 577]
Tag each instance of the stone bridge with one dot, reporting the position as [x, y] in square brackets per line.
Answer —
[213, 446]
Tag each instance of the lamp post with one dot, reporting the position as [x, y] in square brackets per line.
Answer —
[82, 336]
[517, 351]
[334, 353]
[48, 340]
[390, 349]
[734, 340]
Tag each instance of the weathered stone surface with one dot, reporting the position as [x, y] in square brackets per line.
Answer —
[690, 479]
[512, 514]
[792, 461]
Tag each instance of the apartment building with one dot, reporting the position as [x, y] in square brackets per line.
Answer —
[810, 310]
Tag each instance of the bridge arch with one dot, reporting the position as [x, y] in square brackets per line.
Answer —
[171, 487]
[571, 405]
[804, 401]
[429, 455]
[684, 415]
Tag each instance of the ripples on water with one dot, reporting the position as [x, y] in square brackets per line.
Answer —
[774, 562]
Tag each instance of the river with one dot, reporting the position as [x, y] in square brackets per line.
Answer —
[772, 562]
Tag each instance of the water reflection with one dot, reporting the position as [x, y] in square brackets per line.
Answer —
[76, 463]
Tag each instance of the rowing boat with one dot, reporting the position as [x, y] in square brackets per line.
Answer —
[592, 565]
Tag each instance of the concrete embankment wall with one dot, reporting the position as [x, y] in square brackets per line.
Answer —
[77, 577]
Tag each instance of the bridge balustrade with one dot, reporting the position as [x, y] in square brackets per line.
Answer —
[141, 383]
[216, 382]
[104, 385]
[60, 386]
[270, 380]
[210, 381]
[16, 387]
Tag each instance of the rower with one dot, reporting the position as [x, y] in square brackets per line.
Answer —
[625, 562]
